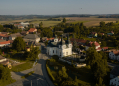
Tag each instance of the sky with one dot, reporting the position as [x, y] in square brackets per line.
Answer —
[58, 7]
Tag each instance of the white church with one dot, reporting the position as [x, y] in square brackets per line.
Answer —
[61, 48]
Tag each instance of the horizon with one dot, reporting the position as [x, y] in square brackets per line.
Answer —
[53, 7]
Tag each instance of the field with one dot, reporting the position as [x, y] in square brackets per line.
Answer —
[88, 21]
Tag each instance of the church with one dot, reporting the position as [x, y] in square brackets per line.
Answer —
[60, 48]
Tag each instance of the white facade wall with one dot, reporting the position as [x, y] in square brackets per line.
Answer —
[61, 52]
[114, 81]
[37, 40]
[11, 38]
[2, 45]
[2, 60]
[97, 47]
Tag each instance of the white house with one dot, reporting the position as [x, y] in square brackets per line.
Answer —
[114, 75]
[97, 45]
[4, 43]
[61, 48]
[114, 55]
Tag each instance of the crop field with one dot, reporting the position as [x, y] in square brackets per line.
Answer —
[88, 21]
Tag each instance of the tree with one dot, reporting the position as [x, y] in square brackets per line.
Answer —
[97, 63]
[103, 43]
[46, 32]
[64, 20]
[102, 24]
[19, 44]
[41, 24]
[5, 75]
[33, 54]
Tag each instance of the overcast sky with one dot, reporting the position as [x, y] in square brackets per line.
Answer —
[53, 7]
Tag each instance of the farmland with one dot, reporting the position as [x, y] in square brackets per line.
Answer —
[88, 21]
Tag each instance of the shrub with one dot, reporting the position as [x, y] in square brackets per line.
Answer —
[30, 73]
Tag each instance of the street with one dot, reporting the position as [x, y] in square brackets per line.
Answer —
[40, 76]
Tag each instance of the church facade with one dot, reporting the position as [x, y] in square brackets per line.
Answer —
[60, 48]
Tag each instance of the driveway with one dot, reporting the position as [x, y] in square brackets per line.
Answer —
[39, 78]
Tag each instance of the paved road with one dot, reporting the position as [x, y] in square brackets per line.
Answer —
[39, 78]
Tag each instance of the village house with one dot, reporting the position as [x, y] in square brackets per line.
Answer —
[97, 46]
[31, 37]
[60, 48]
[93, 34]
[110, 34]
[114, 55]
[24, 33]
[79, 41]
[32, 30]
[5, 62]
[114, 75]
[15, 35]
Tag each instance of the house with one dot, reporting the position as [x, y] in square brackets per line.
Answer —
[97, 45]
[4, 43]
[4, 36]
[48, 39]
[32, 30]
[114, 55]
[114, 75]
[15, 35]
[104, 48]
[79, 41]
[93, 34]
[5, 62]
[31, 37]
[44, 39]
[110, 34]
[60, 48]
[24, 33]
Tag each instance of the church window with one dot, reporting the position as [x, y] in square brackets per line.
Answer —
[53, 51]
[67, 53]
[60, 53]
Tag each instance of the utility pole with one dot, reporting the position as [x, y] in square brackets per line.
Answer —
[31, 82]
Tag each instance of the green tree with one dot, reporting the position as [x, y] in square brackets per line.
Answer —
[19, 44]
[41, 24]
[102, 24]
[5, 75]
[46, 32]
[103, 44]
[64, 20]
[33, 54]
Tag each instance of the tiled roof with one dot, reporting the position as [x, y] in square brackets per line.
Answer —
[5, 42]
[31, 29]
[99, 48]
[105, 48]
[95, 43]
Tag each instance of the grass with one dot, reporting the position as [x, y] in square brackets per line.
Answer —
[47, 23]
[79, 22]
[25, 76]
[4, 83]
[22, 67]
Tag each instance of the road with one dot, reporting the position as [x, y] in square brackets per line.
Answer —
[40, 76]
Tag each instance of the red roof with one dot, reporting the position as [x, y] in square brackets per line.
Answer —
[105, 48]
[5, 42]
[50, 39]
[95, 43]
[32, 30]
[78, 40]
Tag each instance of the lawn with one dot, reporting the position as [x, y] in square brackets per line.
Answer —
[22, 67]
